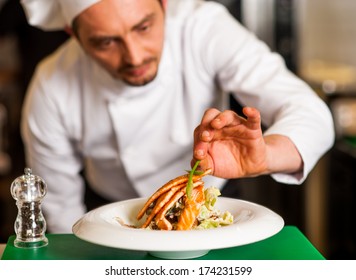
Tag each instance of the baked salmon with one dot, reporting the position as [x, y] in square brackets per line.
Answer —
[190, 212]
[165, 206]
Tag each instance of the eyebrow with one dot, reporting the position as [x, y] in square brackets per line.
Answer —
[96, 38]
[145, 19]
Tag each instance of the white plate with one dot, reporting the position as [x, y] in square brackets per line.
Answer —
[252, 222]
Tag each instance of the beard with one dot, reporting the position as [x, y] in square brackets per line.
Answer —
[141, 82]
[130, 74]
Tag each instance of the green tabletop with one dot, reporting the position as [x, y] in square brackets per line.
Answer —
[288, 244]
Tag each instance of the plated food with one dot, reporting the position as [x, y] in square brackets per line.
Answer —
[252, 223]
[171, 217]
[183, 204]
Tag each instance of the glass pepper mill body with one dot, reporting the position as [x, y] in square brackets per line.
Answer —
[30, 226]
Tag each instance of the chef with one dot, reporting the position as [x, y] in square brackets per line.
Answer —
[119, 102]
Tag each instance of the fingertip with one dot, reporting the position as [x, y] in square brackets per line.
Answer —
[205, 165]
[205, 135]
[247, 110]
[251, 112]
[216, 123]
[199, 154]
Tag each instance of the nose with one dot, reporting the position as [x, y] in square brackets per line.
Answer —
[133, 53]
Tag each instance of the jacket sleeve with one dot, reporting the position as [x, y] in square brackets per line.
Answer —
[257, 77]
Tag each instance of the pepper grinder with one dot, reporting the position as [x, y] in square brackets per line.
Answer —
[30, 226]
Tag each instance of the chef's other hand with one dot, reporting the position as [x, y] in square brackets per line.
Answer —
[234, 146]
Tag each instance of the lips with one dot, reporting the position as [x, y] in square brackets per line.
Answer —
[138, 71]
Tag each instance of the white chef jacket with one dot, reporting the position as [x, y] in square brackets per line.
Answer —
[131, 140]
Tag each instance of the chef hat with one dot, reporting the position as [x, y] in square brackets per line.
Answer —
[54, 14]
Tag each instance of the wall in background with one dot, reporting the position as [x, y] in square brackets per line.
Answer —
[327, 30]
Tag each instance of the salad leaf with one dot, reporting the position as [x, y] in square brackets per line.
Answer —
[216, 220]
[209, 217]
[211, 195]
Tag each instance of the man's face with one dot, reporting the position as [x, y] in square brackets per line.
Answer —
[125, 37]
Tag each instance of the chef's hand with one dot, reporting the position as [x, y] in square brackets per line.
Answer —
[234, 146]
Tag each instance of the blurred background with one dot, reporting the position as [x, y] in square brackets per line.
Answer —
[317, 39]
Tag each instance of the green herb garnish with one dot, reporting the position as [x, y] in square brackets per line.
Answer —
[190, 179]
